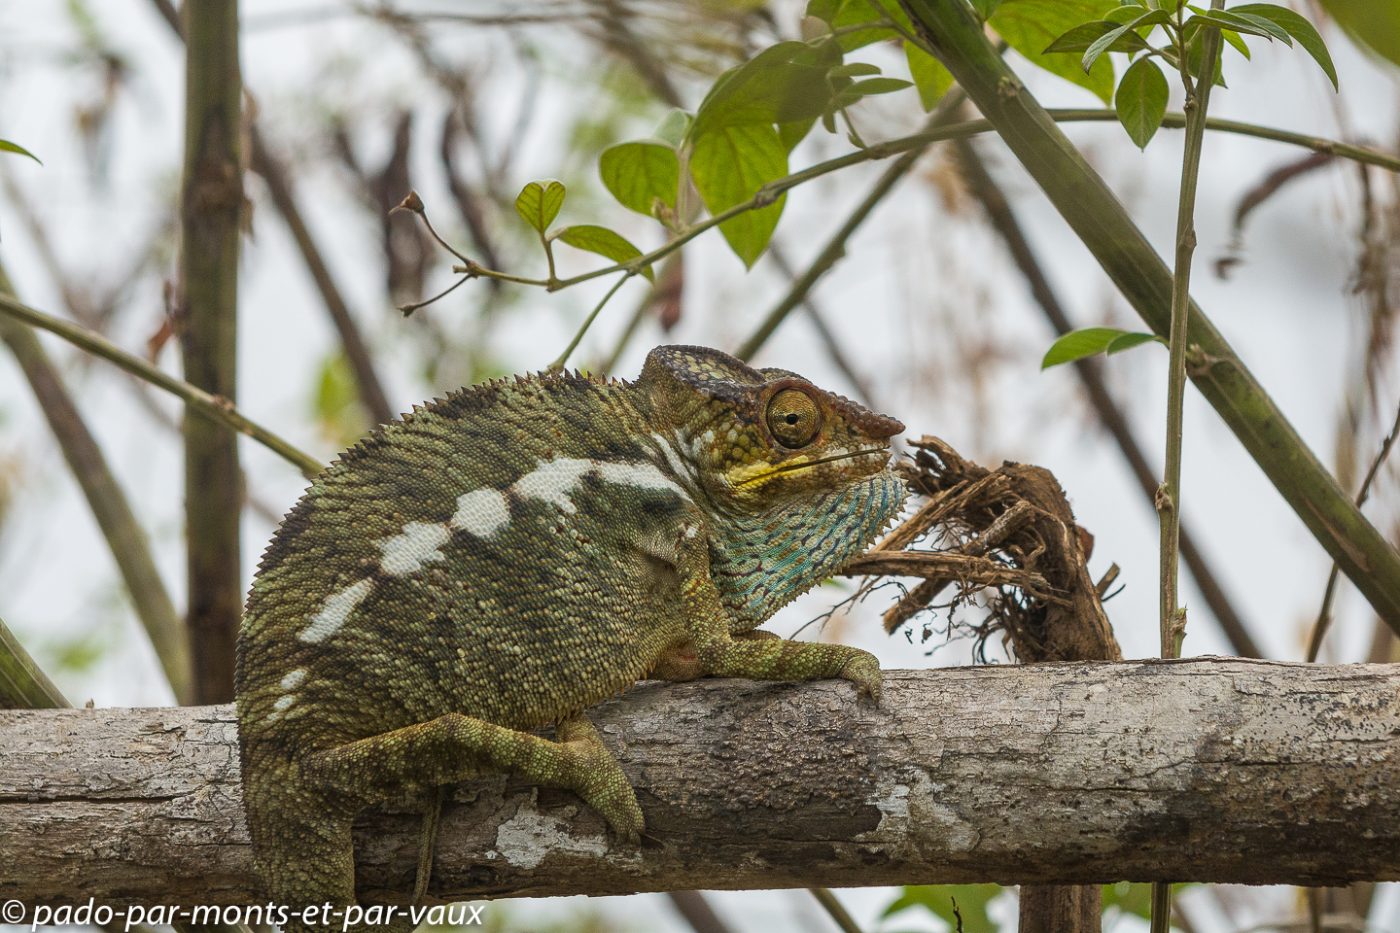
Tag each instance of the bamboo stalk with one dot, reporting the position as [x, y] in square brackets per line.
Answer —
[22, 684]
[211, 213]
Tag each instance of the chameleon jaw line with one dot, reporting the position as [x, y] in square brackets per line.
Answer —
[789, 467]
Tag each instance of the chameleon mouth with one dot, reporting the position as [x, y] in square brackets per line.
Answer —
[790, 467]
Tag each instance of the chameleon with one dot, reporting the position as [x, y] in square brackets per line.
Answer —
[497, 561]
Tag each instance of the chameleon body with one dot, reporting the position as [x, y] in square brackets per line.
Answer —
[497, 561]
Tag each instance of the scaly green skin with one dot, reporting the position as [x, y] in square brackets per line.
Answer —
[500, 560]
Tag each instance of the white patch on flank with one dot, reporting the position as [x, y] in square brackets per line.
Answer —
[294, 679]
[641, 475]
[553, 480]
[691, 531]
[481, 512]
[283, 702]
[419, 543]
[335, 611]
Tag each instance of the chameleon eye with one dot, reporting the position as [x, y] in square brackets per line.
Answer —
[793, 418]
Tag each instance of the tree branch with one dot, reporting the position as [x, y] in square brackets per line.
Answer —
[1262, 772]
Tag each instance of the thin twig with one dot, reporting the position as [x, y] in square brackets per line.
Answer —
[833, 907]
[587, 323]
[767, 194]
[1324, 612]
[1090, 371]
[214, 407]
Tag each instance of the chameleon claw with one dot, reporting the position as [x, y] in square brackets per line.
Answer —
[864, 671]
[601, 782]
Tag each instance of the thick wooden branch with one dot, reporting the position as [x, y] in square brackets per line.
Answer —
[1198, 770]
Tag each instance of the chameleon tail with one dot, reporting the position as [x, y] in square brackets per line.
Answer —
[303, 852]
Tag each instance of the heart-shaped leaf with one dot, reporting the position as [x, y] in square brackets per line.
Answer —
[538, 203]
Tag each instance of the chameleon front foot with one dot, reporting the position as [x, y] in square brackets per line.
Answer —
[599, 779]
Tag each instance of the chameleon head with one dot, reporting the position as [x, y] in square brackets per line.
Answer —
[761, 437]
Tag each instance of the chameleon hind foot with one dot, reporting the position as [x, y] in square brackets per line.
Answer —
[864, 671]
[599, 779]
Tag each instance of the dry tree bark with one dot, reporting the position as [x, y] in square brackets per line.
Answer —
[1198, 770]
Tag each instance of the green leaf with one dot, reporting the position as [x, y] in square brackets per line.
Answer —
[673, 128]
[783, 83]
[824, 10]
[857, 12]
[971, 901]
[1141, 100]
[1128, 341]
[604, 242]
[1089, 341]
[1134, 899]
[877, 86]
[1304, 32]
[641, 173]
[930, 77]
[1373, 24]
[1081, 37]
[1223, 19]
[1195, 59]
[1031, 25]
[985, 8]
[7, 146]
[1232, 37]
[538, 203]
[1124, 33]
[1102, 44]
[335, 401]
[853, 70]
[793, 133]
[729, 165]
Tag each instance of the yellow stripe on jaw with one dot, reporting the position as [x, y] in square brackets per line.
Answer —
[750, 474]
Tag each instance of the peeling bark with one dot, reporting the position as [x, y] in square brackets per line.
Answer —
[1079, 773]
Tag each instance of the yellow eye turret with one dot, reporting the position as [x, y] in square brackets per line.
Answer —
[793, 418]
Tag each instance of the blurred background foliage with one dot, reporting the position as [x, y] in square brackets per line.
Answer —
[355, 104]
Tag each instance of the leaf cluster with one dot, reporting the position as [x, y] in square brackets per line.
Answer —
[1131, 25]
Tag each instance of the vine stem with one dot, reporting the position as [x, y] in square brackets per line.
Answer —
[884, 150]
[215, 407]
[1172, 619]
[588, 322]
